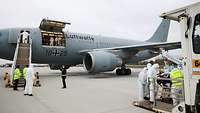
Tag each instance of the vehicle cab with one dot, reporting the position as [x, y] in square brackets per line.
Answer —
[189, 19]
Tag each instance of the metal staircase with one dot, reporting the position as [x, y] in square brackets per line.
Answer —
[22, 58]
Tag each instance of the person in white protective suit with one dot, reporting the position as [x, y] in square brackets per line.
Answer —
[25, 35]
[29, 81]
[142, 83]
[51, 41]
[147, 86]
[152, 74]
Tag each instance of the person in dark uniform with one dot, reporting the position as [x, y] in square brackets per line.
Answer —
[63, 75]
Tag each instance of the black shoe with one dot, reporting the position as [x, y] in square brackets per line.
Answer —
[151, 102]
[25, 94]
[63, 87]
[146, 98]
[30, 94]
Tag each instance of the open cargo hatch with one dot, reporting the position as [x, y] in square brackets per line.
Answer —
[52, 33]
[52, 25]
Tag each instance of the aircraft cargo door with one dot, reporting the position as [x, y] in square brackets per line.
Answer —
[52, 33]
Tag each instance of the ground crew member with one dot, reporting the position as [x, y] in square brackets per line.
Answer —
[25, 74]
[51, 41]
[25, 36]
[177, 77]
[36, 81]
[29, 81]
[148, 92]
[17, 75]
[63, 75]
[168, 66]
[152, 74]
[142, 83]
[167, 69]
[59, 41]
[6, 78]
[56, 41]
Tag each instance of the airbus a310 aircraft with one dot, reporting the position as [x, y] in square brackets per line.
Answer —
[51, 45]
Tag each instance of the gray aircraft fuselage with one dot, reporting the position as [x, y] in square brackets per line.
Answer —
[69, 54]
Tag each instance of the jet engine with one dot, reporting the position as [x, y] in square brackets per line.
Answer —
[100, 61]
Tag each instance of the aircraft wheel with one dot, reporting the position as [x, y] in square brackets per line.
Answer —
[128, 71]
[123, 72]
[118, 71]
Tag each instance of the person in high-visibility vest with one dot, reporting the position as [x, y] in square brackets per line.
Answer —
[176, 76]
[16, 77]
[25, 75]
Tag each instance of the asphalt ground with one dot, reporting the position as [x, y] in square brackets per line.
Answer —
[99, 93]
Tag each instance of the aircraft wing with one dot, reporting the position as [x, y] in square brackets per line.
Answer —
[140, 47]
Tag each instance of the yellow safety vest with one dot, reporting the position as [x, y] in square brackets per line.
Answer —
[17, 74]
[177, 76]
[25, 72]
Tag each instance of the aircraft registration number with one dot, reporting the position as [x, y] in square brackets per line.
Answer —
[56, 52]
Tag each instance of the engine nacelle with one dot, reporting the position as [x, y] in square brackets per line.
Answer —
[100, 61]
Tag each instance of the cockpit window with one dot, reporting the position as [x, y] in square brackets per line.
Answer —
[196, 35]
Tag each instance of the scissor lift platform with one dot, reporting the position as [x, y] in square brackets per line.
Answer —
[160, 107]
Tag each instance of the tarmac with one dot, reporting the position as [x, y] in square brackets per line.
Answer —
[99, 93]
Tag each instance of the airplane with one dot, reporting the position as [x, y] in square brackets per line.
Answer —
[96, 53]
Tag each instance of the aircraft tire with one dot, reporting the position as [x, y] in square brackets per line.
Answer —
[118, 72]
[123, 71]
[128, 71]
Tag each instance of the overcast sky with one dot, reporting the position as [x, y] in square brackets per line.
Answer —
[127, 19]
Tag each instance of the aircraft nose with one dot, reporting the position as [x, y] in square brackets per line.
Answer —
[0, 33]
[4, 47]
[4, 33]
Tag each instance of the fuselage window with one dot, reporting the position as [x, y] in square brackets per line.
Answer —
[196, 35]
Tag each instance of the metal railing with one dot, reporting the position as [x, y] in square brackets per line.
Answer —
[16, 55]
[15, 59]
[30, 51]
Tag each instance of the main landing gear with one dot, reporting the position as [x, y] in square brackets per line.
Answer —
[123, 71]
